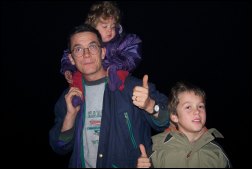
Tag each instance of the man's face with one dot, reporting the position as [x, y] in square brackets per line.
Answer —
[89, 60]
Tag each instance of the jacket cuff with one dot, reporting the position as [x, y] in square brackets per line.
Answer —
[67, 135]
[163, 116]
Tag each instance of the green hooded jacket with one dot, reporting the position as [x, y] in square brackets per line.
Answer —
[172, 149]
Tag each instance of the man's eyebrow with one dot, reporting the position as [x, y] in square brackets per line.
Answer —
[93, 42]
[76, 45]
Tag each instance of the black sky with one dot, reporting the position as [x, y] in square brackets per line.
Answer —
[207, 43]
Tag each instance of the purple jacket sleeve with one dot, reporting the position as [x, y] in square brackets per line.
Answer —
[66, 64]
[123, 53]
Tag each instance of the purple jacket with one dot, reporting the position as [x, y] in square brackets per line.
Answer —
[123, 53]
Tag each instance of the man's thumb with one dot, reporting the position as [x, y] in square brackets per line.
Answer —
[142, 149]
[145, 82]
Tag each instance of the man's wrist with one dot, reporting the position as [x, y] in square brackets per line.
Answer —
[149, 106]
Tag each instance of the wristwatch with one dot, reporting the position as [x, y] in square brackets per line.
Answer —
[155, 109]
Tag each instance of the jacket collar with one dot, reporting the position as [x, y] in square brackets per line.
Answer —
[208, 136]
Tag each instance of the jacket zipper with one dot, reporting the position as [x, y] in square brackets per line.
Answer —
[189, 154]
[130, 130]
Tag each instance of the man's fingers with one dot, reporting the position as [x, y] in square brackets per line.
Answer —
[145, 82]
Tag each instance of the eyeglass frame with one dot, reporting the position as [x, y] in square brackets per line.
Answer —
[84, 51]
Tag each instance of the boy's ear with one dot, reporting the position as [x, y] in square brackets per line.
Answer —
[71, 59]
[174, 118]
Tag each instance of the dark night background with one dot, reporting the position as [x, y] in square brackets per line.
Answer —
[207, 43]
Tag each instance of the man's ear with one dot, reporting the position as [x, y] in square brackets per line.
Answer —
[71, 58]
[174, 118]
[103, 52]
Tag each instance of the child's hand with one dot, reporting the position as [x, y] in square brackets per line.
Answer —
[69, 77]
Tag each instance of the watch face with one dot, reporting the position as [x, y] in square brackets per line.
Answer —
[156, 108]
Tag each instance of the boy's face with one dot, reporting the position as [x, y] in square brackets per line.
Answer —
[106, 28]
[191, 113]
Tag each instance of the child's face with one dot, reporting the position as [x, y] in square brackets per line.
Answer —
[106, 28]
[191, 113]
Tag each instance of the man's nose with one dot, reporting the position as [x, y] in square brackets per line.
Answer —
[86, 52]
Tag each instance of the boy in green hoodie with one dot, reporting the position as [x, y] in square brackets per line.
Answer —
[187, 143]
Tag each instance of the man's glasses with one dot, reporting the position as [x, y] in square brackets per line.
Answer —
[93, 49]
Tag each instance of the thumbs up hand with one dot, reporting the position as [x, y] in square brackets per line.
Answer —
[143, 161]
[145, 82]
[141, 96]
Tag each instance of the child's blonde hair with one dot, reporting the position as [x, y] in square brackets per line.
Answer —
[105, 10]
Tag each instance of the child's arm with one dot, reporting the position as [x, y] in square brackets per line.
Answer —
[124, 53]
[130, 52]
[67, 68]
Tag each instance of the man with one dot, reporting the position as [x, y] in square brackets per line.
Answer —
[107, 128]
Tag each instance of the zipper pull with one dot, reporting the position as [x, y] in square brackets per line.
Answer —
[189, 154]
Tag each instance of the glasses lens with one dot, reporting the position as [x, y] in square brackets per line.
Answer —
[78, 51]
[92, 49]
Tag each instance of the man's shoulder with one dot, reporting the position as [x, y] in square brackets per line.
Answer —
[132, 80]
[63, 93]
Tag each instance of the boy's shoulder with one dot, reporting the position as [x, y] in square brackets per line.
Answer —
[215, 133]
[161, 137]
[218, 145]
